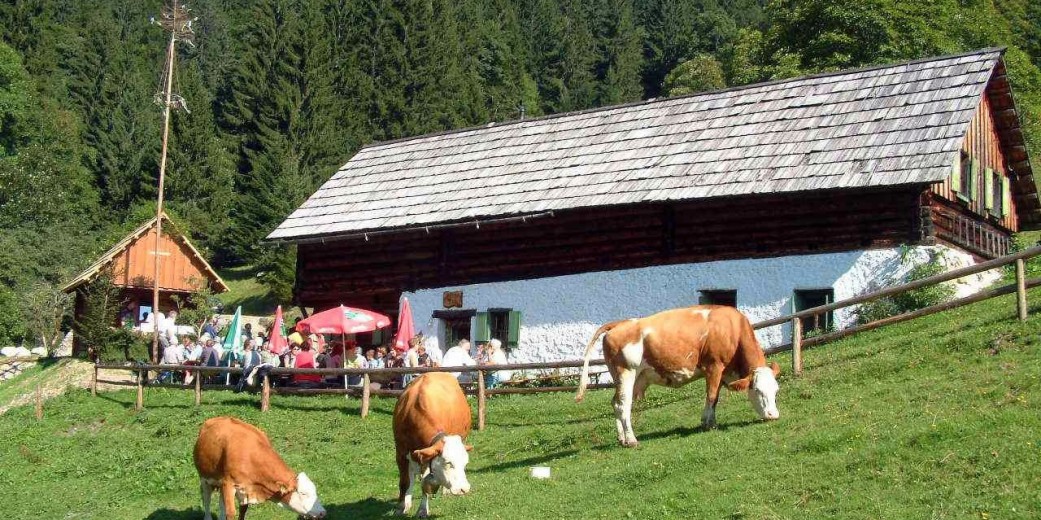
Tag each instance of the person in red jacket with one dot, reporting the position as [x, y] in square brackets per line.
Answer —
[305, 359]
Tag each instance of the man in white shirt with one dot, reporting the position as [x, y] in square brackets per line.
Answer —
[459, 356]
[168, 328]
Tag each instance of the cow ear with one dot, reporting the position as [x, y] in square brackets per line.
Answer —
[469, 447]
[739, 385]
[776, 368]
[425, 455]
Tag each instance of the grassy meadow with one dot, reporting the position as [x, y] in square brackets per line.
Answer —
[936, 418]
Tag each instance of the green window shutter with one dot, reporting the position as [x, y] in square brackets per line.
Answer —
[956, 173]
[988, 188]
[482, 332]
[1006, 197]
[974, 174]
[513, 337]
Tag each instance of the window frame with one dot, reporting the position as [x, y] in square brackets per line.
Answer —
[812, 323]
[717, 297]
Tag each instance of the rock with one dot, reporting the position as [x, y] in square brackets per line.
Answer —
[38, 351]
[65, 349]
[22, 352]
[8, 351]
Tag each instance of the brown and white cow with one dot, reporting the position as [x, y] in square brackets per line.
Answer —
[675, 347]
[237, 460]
[431, 423]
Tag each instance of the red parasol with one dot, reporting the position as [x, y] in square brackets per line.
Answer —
[406, 328]
[343, 320]
[278, 338]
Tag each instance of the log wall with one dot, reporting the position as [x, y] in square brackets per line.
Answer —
[373, 272]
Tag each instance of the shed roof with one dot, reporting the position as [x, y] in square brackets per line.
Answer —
[95, 268]
[880, 126]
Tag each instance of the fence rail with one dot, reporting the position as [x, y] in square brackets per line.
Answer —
[797, 344]
[364, 391]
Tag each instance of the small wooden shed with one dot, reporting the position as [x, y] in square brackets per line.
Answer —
[131, 262]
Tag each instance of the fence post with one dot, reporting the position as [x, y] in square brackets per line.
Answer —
[140, 391]
[198, 387]
[480, 400]
[1021, 289]
[365, 396]
[94, 383]
[39, 402]
[265, 394]
[797, 346]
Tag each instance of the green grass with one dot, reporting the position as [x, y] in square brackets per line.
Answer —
[244, 289]
[22, 382]
[936, 418]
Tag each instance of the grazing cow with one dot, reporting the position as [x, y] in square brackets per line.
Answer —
[431, 423]
[675, 347]
[237, 459]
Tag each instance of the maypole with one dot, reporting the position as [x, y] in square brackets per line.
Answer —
[174, 18]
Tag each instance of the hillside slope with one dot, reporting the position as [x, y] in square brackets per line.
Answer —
[936, 418]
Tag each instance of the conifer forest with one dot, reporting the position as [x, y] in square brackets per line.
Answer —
[279, 93]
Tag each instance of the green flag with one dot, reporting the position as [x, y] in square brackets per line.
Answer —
[233, 339]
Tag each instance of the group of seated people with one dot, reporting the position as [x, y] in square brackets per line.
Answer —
[312, 351]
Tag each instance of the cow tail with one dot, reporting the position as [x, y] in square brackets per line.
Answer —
[584, 381]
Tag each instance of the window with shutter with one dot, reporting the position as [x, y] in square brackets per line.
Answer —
[988, 189]
[1006, 197]
[513, 336]
[956, 173]
[974, 181]
[964, 183]
[482, 333]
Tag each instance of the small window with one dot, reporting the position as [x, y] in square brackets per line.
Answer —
[809, 298]
[456, 329]
[501, 324]
[455, 324]
[968, 181]
[726, 297]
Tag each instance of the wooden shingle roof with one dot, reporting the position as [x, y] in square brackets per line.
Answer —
[888, 125]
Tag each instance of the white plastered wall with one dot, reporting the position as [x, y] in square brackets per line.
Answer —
[560, 313]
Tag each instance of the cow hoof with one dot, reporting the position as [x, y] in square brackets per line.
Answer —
[423, 514]
[630, 443]
[708, 426]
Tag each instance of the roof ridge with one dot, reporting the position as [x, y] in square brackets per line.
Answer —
[651, 101]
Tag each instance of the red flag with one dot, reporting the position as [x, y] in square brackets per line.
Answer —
[278, 334]
[406, 328]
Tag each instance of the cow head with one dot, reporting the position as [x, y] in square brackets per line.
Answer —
[447, 459]
[304, 499]
[762, 390]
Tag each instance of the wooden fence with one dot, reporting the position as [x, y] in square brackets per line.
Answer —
[797, 345]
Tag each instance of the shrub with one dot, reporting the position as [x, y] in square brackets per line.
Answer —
[911, 300]
[124, 345]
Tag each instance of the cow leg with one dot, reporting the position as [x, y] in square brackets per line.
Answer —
[429, 487]
[242, 511]
[404, 484]
[623, 407]
[642, 382]
[221, 513]
[227, 494]
[713, 379]
[207, 494]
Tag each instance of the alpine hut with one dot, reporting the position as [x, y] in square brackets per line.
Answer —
[770, 197]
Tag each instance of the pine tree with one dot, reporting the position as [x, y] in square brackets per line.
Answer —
[618, 67]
